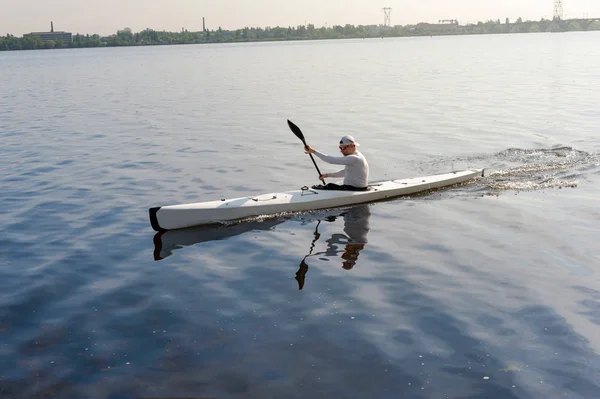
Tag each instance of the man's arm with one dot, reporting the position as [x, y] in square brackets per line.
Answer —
[348, 160]
[339, 173]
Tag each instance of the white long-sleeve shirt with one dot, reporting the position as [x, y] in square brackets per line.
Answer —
[356, 171]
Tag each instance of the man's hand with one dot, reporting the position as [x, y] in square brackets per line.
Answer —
[323, 176]
[308, 150]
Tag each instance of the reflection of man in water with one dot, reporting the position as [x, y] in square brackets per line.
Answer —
[356, 227]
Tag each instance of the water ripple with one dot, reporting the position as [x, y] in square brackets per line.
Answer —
[483, 289]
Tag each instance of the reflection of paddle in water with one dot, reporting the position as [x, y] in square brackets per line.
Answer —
[356, 227]
[301, 273]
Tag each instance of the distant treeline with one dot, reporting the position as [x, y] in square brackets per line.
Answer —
[126, 37]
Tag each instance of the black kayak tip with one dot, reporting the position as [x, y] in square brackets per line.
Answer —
[154, 220]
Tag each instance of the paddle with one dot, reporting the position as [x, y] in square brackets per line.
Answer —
[296, 130]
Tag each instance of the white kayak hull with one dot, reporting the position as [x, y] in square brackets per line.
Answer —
[187, 215]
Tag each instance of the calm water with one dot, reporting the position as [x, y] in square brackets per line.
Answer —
[487, 290]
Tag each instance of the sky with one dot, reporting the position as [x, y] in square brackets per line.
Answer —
[105, 17]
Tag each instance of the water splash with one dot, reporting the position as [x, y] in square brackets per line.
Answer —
[539, 169]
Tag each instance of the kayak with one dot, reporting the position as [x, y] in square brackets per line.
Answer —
[174, 217]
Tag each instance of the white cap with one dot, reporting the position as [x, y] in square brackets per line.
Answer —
[348, 140]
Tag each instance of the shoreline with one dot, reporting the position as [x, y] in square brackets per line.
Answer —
[149, 37]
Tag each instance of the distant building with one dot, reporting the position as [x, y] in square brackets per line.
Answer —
[447, 25]
[375, 30]
[65, 37]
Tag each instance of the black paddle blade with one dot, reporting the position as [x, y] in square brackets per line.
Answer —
[296, 130]
[301, 274]
[299, 134]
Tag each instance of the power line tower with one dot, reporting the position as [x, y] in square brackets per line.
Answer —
[558, 9]
[387, 12]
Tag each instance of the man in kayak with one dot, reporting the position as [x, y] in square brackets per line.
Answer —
[355, 172]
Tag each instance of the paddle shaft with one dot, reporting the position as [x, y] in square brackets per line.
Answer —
[313, 160]
[296, 130]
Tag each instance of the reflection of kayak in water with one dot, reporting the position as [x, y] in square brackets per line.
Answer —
[306, 199]
[355, 228]
[167, 241]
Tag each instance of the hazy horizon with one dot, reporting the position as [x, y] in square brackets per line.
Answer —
[108, 16]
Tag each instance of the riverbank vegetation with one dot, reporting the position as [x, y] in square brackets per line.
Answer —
[126, 37]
